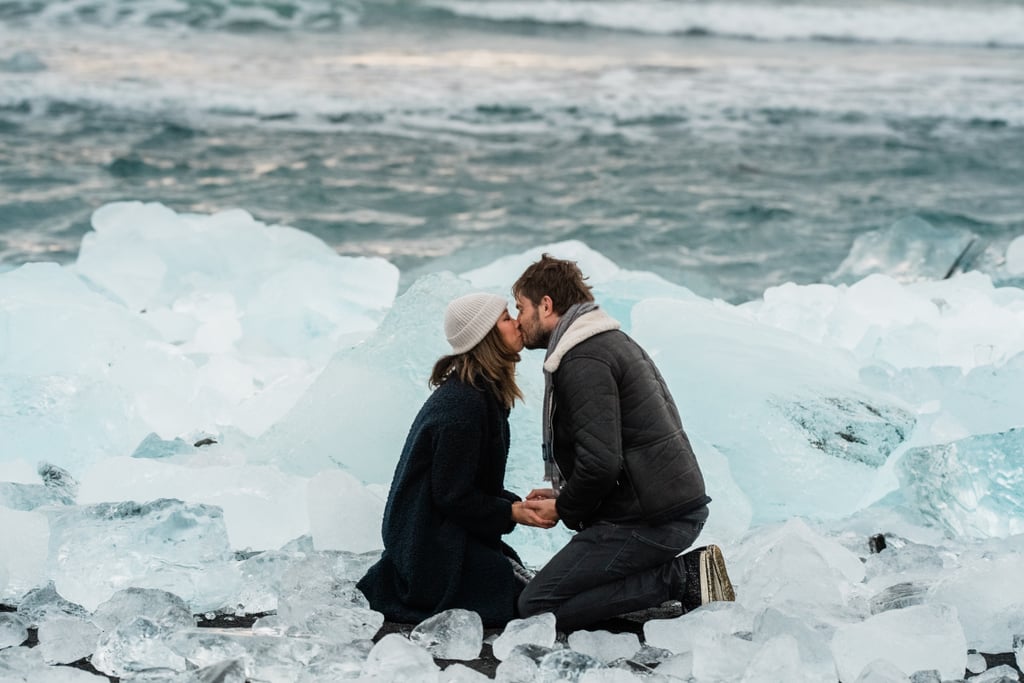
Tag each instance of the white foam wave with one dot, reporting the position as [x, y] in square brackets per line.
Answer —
[465, 88]
[988, 25]
[258, 14]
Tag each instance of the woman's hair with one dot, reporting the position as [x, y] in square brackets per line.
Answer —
[490, 359]
[557, 278]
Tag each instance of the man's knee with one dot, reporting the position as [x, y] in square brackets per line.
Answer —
[524, 607]
[530, 603]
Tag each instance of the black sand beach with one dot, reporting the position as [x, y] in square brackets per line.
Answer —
[486, 663]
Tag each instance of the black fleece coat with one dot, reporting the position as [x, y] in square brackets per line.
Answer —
[446, 513]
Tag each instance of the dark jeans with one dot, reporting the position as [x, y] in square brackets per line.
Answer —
[610, 569]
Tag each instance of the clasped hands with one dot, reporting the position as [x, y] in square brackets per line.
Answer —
[537, 510]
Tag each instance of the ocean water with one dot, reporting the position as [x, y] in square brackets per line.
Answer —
[726, 146]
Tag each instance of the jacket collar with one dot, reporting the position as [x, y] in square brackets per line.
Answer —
[588, 325]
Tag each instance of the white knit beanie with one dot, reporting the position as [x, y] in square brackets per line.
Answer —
[469, 318]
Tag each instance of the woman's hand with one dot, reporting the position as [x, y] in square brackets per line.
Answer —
[526, 513]
[544, 508]
[541, 494]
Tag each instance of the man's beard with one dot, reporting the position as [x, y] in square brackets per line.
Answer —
[538, 341]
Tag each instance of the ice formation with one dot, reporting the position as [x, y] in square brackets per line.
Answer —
[202, 415]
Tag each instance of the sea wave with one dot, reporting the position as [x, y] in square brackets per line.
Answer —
[230, 15]
[982, 24]
[989, 23]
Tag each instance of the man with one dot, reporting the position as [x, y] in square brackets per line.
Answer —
[622, 471]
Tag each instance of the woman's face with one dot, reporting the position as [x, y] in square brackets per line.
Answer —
[508, 328]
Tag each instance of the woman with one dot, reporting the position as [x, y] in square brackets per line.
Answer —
[447, 508]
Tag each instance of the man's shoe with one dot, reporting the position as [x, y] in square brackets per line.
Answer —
[706, 578]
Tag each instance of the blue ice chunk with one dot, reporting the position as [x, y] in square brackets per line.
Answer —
[974, 486]
[166, 544]
[155, 447]
[910, 249]
[58, 488]
[852, 429]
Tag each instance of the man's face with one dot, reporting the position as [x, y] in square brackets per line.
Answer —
[535, 336]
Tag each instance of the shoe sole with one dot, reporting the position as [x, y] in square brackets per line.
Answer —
[714, 579]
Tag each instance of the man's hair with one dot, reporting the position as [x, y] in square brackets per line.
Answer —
[491, 360]
[561, 280]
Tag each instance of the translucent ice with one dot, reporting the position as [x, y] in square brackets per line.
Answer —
[394, 658]
[914, 638]
[356, 414]
[610, 676]
[954, 404]
[963, 322]
[794, 564]
[23, 547]
[974, 486]
[812, 659]
[460, 673]
[803, 434]
[518, 667]
[882, 671]
[231, 671]
[13, 630]
[976, 663]
[293, 293]
[780, 659]
[298, 568]
[988, 595]
[335, 662]
[802, 406]
[722, 657]
[154, 447]
[344, 514]
[603, 645]
[909, 249]
[676, 666]
[65, 674]
[452, 634]
[260, 577]
[58, 488]
[681, 634]
[262, 506]
[26, 664]
[898, 596]
[536, 630]
[267, 658]
[183, 548]
[1004, 673]
[64, 638]
[70, 404]
[317, 596]
[566, 665]
[902, 559]
[164, 609]
[44, 601]
[851, 428]
[135, 646]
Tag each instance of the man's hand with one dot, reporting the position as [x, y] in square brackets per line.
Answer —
[543, 508]
[521, 514]
[541, 494]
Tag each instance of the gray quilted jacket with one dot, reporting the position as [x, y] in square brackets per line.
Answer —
[618, 438]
